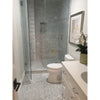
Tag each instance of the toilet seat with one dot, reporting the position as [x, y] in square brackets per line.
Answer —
[54, 66]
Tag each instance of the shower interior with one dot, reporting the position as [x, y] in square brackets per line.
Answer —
[45, 32]
[48, 25]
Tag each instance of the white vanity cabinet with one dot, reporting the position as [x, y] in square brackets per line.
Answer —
[71, 90]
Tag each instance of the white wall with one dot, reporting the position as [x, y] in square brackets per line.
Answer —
[77, 6]
[18, 57]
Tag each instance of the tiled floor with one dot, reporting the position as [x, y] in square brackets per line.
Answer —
[26, 80]
[40, 89]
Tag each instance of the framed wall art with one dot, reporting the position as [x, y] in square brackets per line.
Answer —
[76, 26]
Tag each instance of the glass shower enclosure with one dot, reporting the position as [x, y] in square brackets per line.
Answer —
[26, 39]
[45, 32]
[51, 31]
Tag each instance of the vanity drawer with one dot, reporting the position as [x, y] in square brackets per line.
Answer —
[75, 88]
[65, 94]
[65, 73]
[64, 90]
[73, 85]
[68, 94]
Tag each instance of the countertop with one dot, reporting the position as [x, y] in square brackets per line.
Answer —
[75, 68]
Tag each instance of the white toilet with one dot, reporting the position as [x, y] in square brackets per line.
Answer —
[55, 73]
[68, 57]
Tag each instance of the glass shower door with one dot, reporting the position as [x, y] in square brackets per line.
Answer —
[27, 60]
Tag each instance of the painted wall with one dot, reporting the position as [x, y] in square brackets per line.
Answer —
[18, 56]
[77, 6]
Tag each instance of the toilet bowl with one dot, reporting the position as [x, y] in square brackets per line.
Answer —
[55, 73]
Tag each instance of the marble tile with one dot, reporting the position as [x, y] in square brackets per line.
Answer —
[40, 89]
[37, 65]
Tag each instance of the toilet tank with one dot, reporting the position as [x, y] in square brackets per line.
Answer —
[68, 57]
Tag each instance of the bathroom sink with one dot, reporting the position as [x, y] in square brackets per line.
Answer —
[84, 76]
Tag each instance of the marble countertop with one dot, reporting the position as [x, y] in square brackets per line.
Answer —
[75, 68]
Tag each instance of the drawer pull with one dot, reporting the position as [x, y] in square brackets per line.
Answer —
[64, 72]
[75, 91]
[71, 97]
[74, 98]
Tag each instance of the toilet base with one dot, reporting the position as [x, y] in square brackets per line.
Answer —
[55, 76]
[55, 73]
[54, 82]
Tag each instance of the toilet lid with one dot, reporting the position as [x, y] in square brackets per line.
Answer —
[54, 65]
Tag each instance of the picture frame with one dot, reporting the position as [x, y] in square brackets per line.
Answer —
[76, 26]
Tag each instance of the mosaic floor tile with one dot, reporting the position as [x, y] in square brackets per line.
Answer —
[40, 89]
